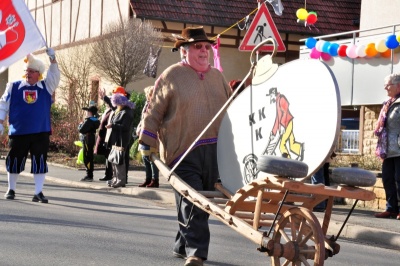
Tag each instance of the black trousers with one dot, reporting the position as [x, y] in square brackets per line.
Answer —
[199, 169]
[36, 144]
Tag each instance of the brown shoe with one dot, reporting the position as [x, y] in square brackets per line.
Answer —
[194, 261]
[153, 183]
[144, 184]
[398, 216]
[386, 214]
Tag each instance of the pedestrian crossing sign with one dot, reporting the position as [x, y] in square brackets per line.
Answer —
[261, 28]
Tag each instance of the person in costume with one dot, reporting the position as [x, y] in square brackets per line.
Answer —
[27, 103]
[87, 130]
[119, 133]
[186, 97]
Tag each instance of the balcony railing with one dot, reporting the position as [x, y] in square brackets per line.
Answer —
[348, 141]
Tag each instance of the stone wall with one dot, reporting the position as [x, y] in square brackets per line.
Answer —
[368, 119]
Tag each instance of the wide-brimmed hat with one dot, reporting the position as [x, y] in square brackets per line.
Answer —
[92, 109]
[190, 35]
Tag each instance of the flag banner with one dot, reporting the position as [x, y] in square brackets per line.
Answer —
[19, 34]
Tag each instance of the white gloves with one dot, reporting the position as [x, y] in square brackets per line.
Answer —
[50, 52]
[1, 129]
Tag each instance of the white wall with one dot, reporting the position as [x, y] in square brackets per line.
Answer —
[378, 13]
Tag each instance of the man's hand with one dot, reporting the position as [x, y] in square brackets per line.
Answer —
[1, 129]
[51, 53]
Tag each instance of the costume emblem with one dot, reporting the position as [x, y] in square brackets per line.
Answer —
[30, 96]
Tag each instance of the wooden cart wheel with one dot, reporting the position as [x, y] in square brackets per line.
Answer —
[302, 240]
[282, 166]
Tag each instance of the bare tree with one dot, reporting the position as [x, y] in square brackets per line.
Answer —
[74, 92]
[121, 54]
[76, 70]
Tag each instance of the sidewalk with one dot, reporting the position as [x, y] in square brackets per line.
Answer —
[361, 225]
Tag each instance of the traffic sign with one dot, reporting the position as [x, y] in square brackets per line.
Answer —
[260, 29]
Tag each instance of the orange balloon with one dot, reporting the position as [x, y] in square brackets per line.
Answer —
[370, 50]
[387, 53]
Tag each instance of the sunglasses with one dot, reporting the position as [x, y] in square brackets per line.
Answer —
[198, 46]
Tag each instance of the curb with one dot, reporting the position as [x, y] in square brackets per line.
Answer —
[164, 195]
[364, 234]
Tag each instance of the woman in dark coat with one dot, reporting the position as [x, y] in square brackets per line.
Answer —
[101, 148]
[119, 133]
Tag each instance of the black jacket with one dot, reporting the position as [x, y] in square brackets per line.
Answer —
[88, 129]
[121, 130]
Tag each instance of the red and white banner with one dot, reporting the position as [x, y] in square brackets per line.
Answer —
[19, 34]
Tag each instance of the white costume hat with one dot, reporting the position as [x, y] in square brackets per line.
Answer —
[34, 63]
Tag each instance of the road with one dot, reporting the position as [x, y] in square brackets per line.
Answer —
[87, 227]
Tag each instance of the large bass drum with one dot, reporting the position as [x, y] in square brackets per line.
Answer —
[294, 113]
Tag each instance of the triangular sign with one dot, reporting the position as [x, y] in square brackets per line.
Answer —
[261, 28]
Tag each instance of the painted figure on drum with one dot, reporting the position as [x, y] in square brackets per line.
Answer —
[282, 130]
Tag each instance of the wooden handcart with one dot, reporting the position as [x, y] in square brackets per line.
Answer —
[284, 206]
[266, 199]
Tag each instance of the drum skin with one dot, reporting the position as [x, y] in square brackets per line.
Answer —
[295, 113]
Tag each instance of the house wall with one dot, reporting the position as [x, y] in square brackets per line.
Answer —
[69, 23]
[377, 14]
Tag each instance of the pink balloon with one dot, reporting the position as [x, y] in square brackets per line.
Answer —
[351, 51]
[326, 56]
[315, 54]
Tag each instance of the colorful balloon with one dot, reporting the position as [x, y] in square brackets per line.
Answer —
[370, 50]
[380, 46]
[311, 19]
[387, 53]
[315, 54]
[360, 51]
[325, 56]
[333, 49]
[391, 42]
[310, 42]
[342, 50]
[325, 47]
[301, 13]
[398, 38]
[319, 45]
[313, 12]
[351, 51]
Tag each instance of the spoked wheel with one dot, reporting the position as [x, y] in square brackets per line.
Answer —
[302, 243]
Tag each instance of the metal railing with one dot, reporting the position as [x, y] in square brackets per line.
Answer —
[348, 141]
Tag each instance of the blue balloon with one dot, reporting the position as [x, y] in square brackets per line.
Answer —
[391, 42]
[310, 42]
[325, 47]
[333, 49]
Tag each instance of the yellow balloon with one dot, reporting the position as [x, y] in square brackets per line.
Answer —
[301, 13]
[398, 38]
[380, 46]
